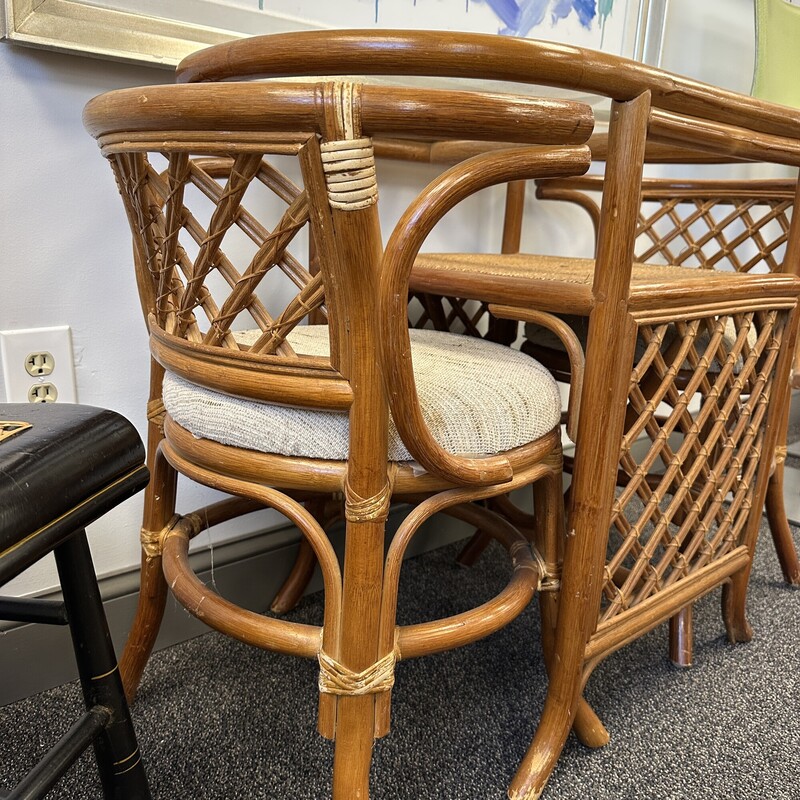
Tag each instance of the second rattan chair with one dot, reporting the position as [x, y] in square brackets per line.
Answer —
[728, 336]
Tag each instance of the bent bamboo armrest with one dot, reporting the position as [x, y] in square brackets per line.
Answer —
[577, 358]
[439, 197]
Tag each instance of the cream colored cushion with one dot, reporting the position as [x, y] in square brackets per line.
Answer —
[477, 397]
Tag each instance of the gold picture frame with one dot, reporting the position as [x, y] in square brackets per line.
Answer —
[139, 32]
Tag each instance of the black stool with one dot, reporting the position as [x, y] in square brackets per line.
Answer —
[62, 467]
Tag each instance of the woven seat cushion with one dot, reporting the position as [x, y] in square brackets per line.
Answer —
[477, 397]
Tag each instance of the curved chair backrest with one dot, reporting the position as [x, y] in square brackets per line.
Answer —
[777, 52]
[479, 57]
[194, 167]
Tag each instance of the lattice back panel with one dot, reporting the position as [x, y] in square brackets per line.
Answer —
[741, 233]
[685, 503]
[223, 241]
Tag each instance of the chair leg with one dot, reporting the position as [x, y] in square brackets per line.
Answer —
[288, 596]
[549, 528]
[681, 636]
[118, 758]
[554, 726]
[473, 549]
[146, 624]
[734, 595]
[776, 508]
[358, 647]
[779, 527]
[355, 725]
[159, 508]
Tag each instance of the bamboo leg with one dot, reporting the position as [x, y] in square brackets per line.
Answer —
[288, 596]
[779, 528]
[549, 529]
[564, 703]
[589, 727]
[733, 608]
[563, 696]
[680, 637]
[355, 715]
[159, 508]
[776, 511]
[734, 594]
[776, 508]
[353, 749]
[609, 354]
[473, 549]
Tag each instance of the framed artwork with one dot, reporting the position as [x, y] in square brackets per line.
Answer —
[162, 32]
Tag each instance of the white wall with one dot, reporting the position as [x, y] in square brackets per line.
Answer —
[66, 246]
[66, 259]
[712, 41]
[66, 256]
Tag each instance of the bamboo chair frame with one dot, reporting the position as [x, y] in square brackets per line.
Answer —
[735, 216]
[703, 532]
[697, 540]
[215, 138]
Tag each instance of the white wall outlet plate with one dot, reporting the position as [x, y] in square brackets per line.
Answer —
[38, 365]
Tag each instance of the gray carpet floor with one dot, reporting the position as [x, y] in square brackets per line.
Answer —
[217, 719]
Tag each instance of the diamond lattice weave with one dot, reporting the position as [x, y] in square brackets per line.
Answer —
[477, 397]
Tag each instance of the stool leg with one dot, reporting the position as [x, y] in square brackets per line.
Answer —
[118, 759]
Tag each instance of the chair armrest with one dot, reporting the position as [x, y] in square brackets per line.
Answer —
[577, 358]
[439, 197]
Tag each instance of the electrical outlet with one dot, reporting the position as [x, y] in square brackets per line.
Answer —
[38, 365]
[42, 393]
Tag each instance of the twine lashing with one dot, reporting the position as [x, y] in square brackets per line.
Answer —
[349, 167]
[153, 541]
[156, 412]
[369, 509]
[335, 678]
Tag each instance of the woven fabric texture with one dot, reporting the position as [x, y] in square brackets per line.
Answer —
[548, 268]
[477, 397]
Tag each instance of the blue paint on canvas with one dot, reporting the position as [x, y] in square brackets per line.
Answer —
[520, 17]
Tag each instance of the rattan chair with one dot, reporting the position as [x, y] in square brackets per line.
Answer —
[633, 556]
[248, 400]
[727, 224]
[734, 225]
[730, 224]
